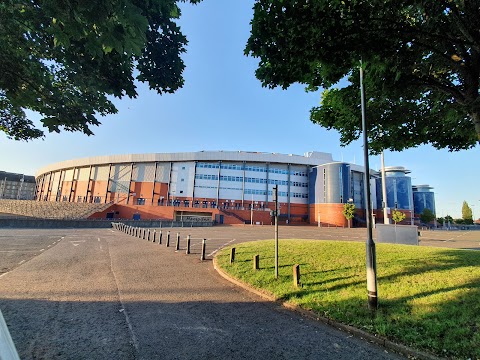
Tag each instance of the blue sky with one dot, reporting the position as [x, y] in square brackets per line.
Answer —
[224, 107]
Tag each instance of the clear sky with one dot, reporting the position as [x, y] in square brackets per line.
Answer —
[224, 107]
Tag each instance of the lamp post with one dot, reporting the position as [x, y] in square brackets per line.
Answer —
[370, 244]
[386, 220]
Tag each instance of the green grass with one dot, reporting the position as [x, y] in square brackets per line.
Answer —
[429, 298]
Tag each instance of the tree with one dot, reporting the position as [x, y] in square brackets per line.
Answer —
[427, 216]
[448, 219]
[467, 214]
[349, 212]
[66, 59]
[422, 62]
[398, 216]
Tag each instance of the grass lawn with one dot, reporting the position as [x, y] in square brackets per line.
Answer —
[429, 298]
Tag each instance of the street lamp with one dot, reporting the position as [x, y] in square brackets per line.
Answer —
[370, 244]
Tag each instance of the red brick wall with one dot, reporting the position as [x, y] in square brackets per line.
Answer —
[330, 215]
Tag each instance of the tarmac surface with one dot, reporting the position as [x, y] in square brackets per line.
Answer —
[103, 294]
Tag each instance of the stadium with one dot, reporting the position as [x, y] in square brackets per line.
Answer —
[229, 187]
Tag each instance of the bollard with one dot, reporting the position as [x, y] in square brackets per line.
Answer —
[296, 275]
[167, 243]
[188, 245]
[160, 237]
[148, 235]
[154, 234]
[177, 243]
[232, 255]
[256, 262]
[136, 232]
[204, 245]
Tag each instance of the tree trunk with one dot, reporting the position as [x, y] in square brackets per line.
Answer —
[476, 121]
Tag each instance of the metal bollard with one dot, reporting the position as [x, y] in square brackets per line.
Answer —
[256, 262]
[204, 245]
[177, 243]
[188, 245]
[160, 237]
[148, 235]
[167, 243]
[154, 235]
[232, 255]
[296, 275]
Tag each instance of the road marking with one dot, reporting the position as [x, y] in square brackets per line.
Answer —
[21, 262]
[42, 249]
[98, 239]
[216, 250]
[75, 242]
[7, 251]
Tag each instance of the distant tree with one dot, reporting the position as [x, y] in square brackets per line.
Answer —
[427, 216]
[67, 59]
[441, 220]
[398, 216]
[422, 61]
[349, 212]
[459, 221]
[467, 214]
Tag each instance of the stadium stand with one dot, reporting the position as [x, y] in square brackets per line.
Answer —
[50, 210]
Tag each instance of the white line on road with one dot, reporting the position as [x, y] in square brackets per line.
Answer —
[214, 251]
[123, 309]
[21, 262]
[8, 251]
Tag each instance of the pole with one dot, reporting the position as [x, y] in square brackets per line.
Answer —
[275, 198]
[370, 244]
[251, 212]
[386, 220]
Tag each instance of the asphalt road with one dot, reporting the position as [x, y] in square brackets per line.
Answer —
[102, 294]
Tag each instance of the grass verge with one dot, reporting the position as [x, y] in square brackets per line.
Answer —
[429, 298]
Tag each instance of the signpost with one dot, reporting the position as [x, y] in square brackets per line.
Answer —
[275, 213]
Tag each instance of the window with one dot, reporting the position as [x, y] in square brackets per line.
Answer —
[140, 201]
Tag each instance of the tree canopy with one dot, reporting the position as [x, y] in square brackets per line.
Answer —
[467, 213]
[348, 211]
[421, 60]
[398, 216]
[427, 216]
[65, 59]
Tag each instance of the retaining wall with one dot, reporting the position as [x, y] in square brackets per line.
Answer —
[98, 224]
